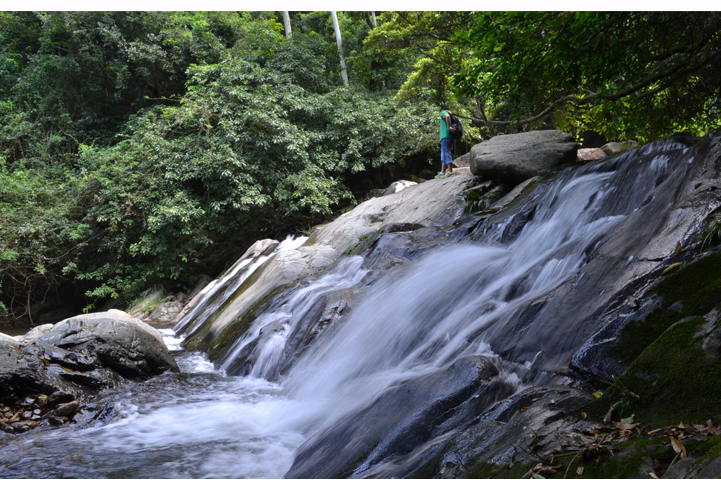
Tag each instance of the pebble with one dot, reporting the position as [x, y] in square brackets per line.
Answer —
[26, 415]
[59, 397]
[37, 411]
[66, 409]
[56, 421]
[21, 427]
[36, 417]
[8, 429]
[42, 400]
[8, 414]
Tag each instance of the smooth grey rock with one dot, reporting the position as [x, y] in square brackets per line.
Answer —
[463, 160]
[513, 194]
[8, 339]
[614, 148]
[124, 345]
[396, 187]
[80, 355]
[146, 304]
[36, 332]
[166, 312]
[518, 157]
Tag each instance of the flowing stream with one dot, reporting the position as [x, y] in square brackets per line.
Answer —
[414, 320]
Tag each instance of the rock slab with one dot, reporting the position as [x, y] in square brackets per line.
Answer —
[80, 355]
[518, 157]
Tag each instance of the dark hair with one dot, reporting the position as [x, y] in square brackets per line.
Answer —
[445, 107]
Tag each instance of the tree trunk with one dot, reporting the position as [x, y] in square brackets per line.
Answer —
[343, 71]
[286, 24]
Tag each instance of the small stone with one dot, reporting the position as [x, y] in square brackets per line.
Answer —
[21, 427]
[8, 414]
[35, 417]
[59, 397]
[42, 400]
[56, 421]
[37, 411]
[26, 415]
[66, 409]
[588, 154]
[8, 429]
[27, 402]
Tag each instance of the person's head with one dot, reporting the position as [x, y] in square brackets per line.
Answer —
[445, 107]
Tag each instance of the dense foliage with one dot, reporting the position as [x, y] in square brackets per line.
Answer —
[141, 149]
[133, 145]
[640, 75]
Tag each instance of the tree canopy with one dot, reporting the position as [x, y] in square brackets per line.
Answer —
[141, 149]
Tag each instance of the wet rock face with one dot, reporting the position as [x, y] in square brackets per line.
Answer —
[518, 157]
[399, 421]
[100, 340]
[501, 434]
[80, 355]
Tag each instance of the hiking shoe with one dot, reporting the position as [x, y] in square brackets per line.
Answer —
[449, 175]
[440, 175]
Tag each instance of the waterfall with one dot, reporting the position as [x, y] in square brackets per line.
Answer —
[219, 291]
[413, 321]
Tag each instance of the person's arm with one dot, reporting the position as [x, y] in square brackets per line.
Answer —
[447, 118]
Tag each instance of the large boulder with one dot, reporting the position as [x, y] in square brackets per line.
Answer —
[82, 354]
[127, 346]
[518, 157]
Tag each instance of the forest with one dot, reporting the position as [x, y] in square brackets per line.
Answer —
[142, 149]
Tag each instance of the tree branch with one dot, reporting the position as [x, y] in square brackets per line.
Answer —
[672, 75]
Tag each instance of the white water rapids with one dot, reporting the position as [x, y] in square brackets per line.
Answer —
[416, 319]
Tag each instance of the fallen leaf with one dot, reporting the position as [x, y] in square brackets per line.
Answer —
[598, 394]
[678, 447]
[584, 415]
[671, 269]
[627, 419]
[697, 185]
[678, 249]
[579, 471]
[536, 475]
[607, 417]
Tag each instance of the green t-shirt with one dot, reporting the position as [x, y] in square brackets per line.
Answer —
[445, 132]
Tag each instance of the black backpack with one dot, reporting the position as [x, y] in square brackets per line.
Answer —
[457, 125]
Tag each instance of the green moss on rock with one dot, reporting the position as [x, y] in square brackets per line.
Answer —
[697, 286]
[240, 325]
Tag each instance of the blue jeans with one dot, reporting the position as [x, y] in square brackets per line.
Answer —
[446, 151]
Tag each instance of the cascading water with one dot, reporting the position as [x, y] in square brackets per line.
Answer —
[414, 321]
[224, 287]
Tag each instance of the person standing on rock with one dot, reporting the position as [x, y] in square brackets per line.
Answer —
[446, 139]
